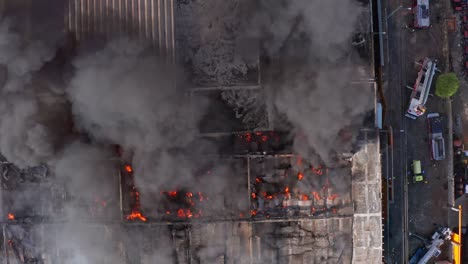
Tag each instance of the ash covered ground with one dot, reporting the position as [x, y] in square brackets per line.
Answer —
[248, 150]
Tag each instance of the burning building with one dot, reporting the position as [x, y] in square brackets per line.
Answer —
[214, 162]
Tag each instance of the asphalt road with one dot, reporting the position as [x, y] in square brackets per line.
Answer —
[394, 83]
[416, 208]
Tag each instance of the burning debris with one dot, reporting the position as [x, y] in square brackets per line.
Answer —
[11, 216]
[135, 205]
[215, 167]
[191, 204]
[287, 192]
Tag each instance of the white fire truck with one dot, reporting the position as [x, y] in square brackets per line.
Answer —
[421, 89]
[421, 14]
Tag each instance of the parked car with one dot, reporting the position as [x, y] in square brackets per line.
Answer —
[436, 139]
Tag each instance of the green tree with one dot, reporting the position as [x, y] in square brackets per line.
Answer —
[447, 85]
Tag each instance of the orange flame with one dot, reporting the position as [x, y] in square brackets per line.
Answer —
[128, 168]
[299, 161]
[304, 197]
[172, 193]
[189, 194]
[11, 216]
[186, 213]
[300, 176]
[269, 197]
[180, 213]
[333, 196]
[316, 195]
[253, 212]
[136, 215]
[286, 190]
[254, 195]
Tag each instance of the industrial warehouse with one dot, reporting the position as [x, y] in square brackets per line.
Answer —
[183, 131]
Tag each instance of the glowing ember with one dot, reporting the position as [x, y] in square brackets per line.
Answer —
[258, 180]
[11, 216]
[333, 196]
[316, 195]
[286, 190]
[304, 197]
[299, 161]
[253, 212]
[300, 176]
[187, 213]
[128, 168]
[317, 170]
[136, 215]
[200, 196]
[254, 195]
[189, 194]
[269, 197]
[172, 193]
[197, 215]
[180, 213]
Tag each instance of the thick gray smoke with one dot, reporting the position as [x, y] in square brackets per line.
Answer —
[313, 67]
[123, 94]
[25, 137]
[88, 174]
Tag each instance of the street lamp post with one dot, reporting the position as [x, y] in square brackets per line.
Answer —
[397, 9]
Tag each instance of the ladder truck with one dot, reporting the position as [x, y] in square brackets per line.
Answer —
[433, 247]
[420, 90]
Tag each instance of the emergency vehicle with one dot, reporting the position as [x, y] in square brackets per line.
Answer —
[421, 89]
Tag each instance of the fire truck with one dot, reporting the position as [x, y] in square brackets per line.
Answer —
[421, 14]
[432, 247]
[420, 90]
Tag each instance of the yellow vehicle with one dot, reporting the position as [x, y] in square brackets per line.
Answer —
[418, 173]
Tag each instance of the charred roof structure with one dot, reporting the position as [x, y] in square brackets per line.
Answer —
[270, 175]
